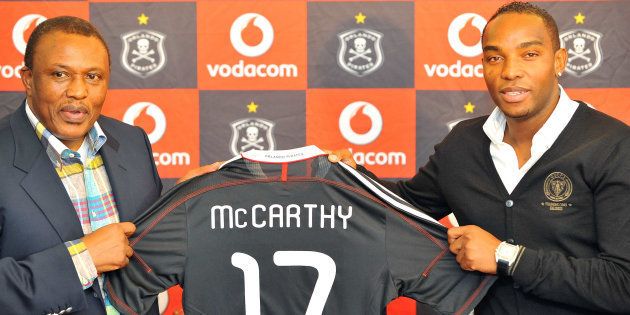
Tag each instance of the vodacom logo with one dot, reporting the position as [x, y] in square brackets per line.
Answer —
[154, 112]
[21, 26]
[350, 112]
[247, 29]
[19, 41]
[460, 69]
[457, 25]
[161, 158]
[243, 22]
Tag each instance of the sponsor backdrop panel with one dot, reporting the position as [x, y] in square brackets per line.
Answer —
[387, 79]
[18, 20]
[614, 102]
[9, 102]
[448, 44]
[360, 44]
[171, 120]
[236, 121]
[437, 112]
[252, 45]
[152, 45]
[377, 125]
[597, 41]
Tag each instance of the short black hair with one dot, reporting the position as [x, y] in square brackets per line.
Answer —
[65, 24]
[528, 8]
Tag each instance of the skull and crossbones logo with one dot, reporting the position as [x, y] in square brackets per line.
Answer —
[251, 139]
[579, 44]
[359, 50]
[143, 51]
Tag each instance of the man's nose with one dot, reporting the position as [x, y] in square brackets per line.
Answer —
[512, 69]
[77, 88]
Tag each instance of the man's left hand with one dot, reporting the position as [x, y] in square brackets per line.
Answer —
[474, 248]
[343, 155]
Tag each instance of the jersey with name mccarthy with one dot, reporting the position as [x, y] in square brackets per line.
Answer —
[288, 232]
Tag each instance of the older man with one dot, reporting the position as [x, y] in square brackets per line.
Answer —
[70, 179]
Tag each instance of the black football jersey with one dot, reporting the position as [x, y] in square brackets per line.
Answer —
[288, 232]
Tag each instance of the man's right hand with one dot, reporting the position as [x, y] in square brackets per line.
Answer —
[109, 246]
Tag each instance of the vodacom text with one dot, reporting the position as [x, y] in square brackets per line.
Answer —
[240, 70]
[173, 158]
[456, 70]
[379, 158]
[8, 71]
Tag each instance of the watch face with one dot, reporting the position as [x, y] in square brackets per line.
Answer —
[506, 251]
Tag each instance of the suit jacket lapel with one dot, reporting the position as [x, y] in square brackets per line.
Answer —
[117, 174]
[41, 182]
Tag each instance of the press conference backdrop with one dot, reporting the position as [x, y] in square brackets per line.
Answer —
[386, 79]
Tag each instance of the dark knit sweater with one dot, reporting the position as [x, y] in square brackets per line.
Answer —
[571, 211]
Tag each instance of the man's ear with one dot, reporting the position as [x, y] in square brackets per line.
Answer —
[27, 79]
[560, 60]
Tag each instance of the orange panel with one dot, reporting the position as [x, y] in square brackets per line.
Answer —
[377, 125]
[252, 45]
[614, 102]
[18, 22]
[170, 118]
[448, 44]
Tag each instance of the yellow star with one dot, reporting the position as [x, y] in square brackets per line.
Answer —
[360, 18]
[143, 19]
[470, 107]
[579, 18]
[251, 108]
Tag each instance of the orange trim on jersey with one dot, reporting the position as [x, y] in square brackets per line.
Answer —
[285, 170]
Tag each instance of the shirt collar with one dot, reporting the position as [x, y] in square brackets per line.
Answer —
[494, 127]
[96, 138]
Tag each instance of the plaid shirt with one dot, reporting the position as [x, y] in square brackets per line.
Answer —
[84, 177]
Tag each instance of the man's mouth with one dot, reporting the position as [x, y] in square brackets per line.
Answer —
[74, 114]
[513, 94]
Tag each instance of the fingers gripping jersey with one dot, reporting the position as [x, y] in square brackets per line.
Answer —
[287, 232]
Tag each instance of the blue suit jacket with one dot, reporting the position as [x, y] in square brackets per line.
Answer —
[37, 275]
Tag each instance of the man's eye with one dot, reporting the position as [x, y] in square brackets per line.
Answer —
[493, 58]
[93, 76]
[59, 74]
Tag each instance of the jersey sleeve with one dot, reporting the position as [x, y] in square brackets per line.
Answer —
[423, 268]
[159, 245]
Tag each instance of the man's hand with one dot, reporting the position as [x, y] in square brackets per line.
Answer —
[474, 248]
[109, 246]
[200, 171]
[343, 155]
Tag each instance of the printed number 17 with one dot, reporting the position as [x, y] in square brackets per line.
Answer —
[325, 266]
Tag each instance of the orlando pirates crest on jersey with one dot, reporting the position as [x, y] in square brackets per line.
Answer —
[287, 232]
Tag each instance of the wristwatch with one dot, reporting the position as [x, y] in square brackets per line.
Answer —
[506, 256]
